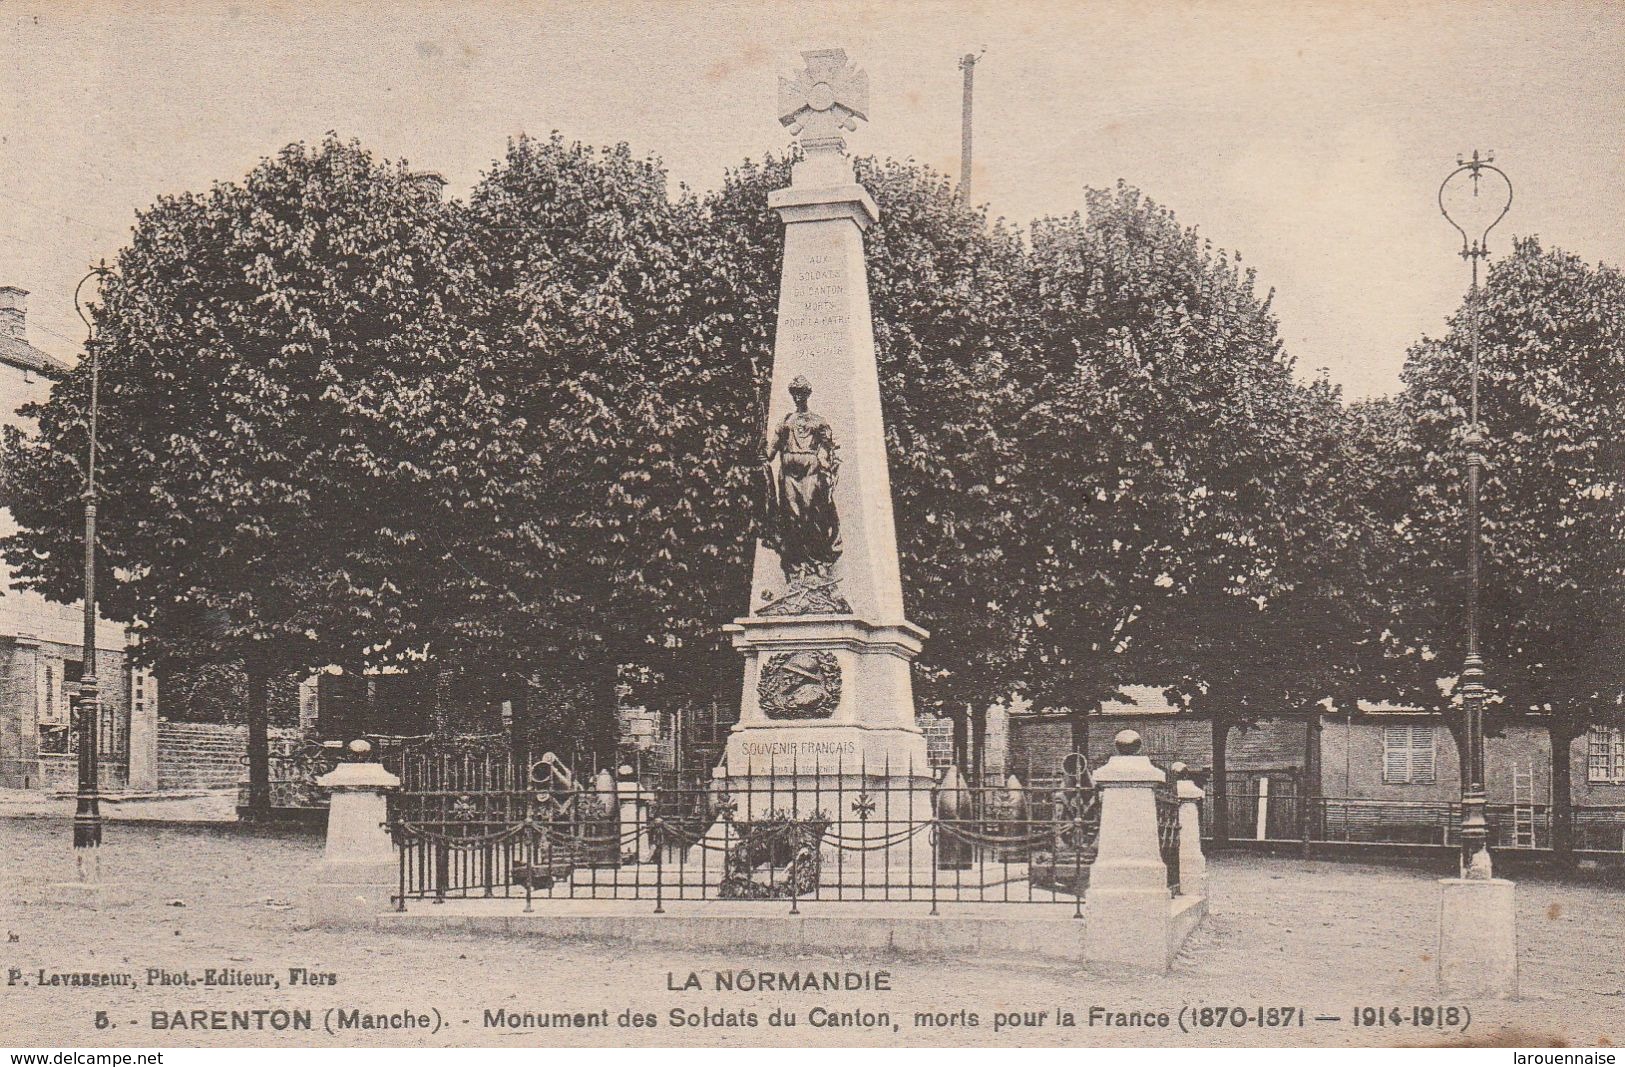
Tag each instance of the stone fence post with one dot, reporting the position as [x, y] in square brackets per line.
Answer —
[359, 868]
[1128, 905]
[633, 800]
[1192, 864]
[143, 737]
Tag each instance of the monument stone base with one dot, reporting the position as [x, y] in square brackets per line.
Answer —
[1478, 937]
[826, 694]
[345, 894]
[826, 730]
[359, 868]
[840, 756]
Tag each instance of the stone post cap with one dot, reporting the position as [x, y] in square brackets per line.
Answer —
[1189, 790]
[1129, 770]
[629, 788]
[358, 777]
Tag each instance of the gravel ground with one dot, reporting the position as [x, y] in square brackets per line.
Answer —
[1324, 937]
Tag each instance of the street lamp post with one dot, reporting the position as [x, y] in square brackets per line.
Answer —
[87, 817]
[1478, 211]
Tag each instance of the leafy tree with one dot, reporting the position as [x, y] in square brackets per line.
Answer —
[263, 349]
[953, 329]
[1179, 494]
[647, 325]
[524, 429]
[1300, 637]
[591, 518]
[1552, 350]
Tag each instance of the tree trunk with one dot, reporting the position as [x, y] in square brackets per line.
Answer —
[1562, 812]
[259, 744]
[519, 728]
[341, 704]
[440, 724]
[601, 737]
[978, 740]
[961, 721]
[1219, 787]
[1080, 734]
[1309, 791]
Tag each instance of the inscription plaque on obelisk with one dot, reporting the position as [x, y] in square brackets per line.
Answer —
[827, 648]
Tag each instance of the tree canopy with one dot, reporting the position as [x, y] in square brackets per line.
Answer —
[348, 420]
[262, 348]
[1552, 352]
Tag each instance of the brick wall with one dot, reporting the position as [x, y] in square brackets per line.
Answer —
[197, 755]
[1037, 745]
[60, 774]
[939, 738]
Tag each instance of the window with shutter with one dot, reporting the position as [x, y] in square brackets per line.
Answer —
[1396, 754]
[1407, 754]
[1422, 753]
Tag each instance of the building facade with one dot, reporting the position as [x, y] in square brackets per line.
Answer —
[1403, 763]
[41, 643]
[1278, 751]
[1377, 774]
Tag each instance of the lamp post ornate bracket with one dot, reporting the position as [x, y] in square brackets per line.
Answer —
[1477, 217]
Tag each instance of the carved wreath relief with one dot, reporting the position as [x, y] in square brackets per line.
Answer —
[799, 685]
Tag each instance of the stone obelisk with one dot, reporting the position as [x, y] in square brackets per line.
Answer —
[827, 648]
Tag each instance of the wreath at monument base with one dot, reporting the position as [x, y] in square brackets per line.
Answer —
[547, 868]
[777, 842]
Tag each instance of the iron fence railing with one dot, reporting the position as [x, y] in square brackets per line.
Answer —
[848, 835]
[1334, 820]
[295, 764]
[1168, 834]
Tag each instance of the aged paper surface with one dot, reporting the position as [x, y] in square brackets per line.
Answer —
[851, 566]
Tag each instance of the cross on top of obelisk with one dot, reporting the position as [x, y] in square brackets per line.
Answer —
[823, 99]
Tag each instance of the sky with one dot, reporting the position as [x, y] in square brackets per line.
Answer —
[1309, 136]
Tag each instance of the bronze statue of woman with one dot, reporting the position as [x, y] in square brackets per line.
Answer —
[802, 526]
